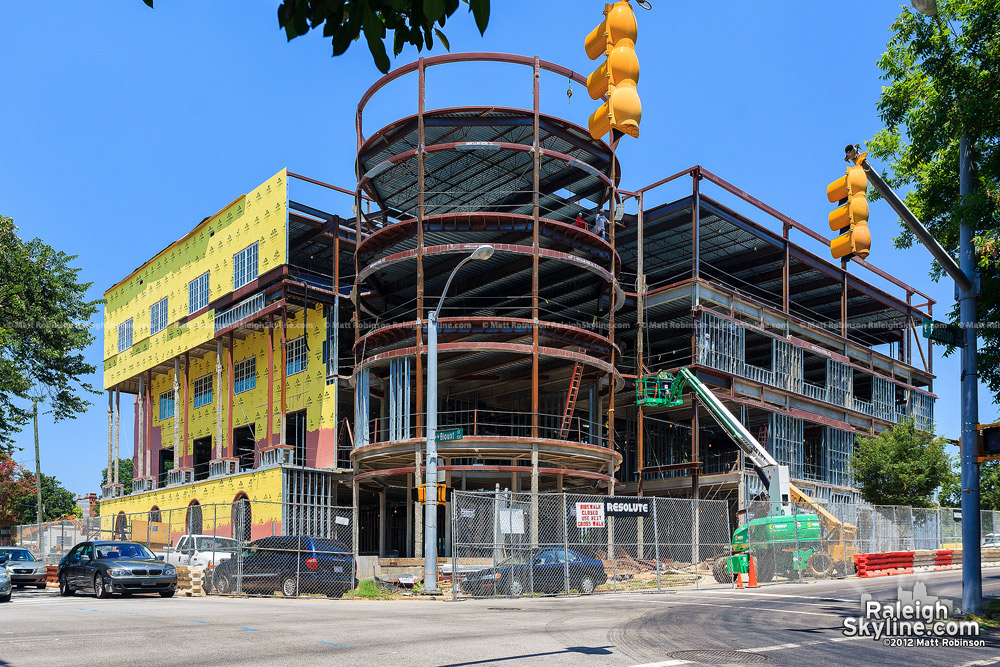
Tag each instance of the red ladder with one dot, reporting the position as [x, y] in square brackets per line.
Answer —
[571, 394]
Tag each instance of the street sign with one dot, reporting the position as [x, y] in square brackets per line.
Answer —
[939, 332]
[956, 514]
[448, 435]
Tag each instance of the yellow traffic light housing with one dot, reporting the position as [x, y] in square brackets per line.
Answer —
[617, 76]
[851, 217]
[989, 441]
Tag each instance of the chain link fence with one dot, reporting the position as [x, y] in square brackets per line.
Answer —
[511, 544]
[506, 545]
[49, 541]
[586, 544]
[243, 548]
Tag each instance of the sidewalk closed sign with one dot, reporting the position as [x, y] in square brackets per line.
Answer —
[613, 507]
[590, 515]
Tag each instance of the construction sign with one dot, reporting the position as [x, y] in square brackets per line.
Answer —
[590, 515]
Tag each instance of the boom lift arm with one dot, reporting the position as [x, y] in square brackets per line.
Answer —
[774, 476]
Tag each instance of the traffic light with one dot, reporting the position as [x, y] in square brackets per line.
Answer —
[851, 218]
[614, 40]
[989, 441]
[419, 494]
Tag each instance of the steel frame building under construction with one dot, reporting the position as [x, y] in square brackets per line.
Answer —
[540, 346]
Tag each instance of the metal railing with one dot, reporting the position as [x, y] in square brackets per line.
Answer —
[244, 309]
[498, 423]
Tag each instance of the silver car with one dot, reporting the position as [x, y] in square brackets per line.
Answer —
[22, 568]
[4, 586]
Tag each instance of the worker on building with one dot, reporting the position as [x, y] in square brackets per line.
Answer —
[600, 223]
[580, 222]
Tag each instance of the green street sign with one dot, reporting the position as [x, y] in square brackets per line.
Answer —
[946, 334]
[448, 435]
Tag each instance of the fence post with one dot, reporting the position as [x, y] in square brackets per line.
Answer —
[656, 543]
[496, 532]
[694, 542]
[610, 527]
[456, 509]
[565, 527]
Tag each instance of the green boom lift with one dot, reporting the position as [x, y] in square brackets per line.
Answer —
[783, 541]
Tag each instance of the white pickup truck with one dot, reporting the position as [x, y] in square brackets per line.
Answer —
[203, 550]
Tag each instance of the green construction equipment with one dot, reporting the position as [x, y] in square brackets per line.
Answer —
[782, 542]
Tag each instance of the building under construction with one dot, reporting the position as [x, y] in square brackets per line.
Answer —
[541, 345]
[285, 356]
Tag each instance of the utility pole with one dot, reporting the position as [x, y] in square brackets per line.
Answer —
[38, 478]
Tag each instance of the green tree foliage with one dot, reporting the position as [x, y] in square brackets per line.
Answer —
[57, 502]
[124, 475]
[901, 466]
[44, 328]
[16, 483]
[989, 487]
[943, 82]
[410, 22]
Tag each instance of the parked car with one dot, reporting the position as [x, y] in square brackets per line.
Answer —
[991, 541]
[203, 550]
[107, 567]
[291, 565]
[4, 586]
[539, 571]
[22, 567]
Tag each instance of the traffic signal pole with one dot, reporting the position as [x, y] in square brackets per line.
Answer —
[964, 276]
[972, 575]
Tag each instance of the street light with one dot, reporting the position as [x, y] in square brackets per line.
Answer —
[430, 478]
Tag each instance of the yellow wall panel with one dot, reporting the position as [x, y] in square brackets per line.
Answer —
[264, 488]
[307, 390]
[260, 216]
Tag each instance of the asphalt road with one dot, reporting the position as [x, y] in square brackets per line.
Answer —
[786, 624]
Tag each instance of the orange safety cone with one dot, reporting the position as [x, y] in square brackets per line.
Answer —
[739, 580]
[751, 574]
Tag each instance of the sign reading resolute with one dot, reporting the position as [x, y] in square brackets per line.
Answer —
[613, 507]
[590, 515]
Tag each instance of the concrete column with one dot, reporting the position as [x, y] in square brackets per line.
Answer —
[118, 412]
[381, 524]
[178, 454]
[111, 436]
[534, 495]
[218, 399]
[227, 449]
[148, 454]
[139, 464]
[409, 516]
[187, 414]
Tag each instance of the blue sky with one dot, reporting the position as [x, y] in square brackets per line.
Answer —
[121, 127]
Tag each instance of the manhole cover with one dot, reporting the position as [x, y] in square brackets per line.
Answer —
[707, 657]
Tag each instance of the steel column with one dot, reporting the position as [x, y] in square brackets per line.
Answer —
[536, 168]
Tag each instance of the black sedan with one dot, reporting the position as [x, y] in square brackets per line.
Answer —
[115, 567]
[544, 571]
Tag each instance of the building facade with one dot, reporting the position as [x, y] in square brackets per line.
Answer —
[227, 343]
[279, 352]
